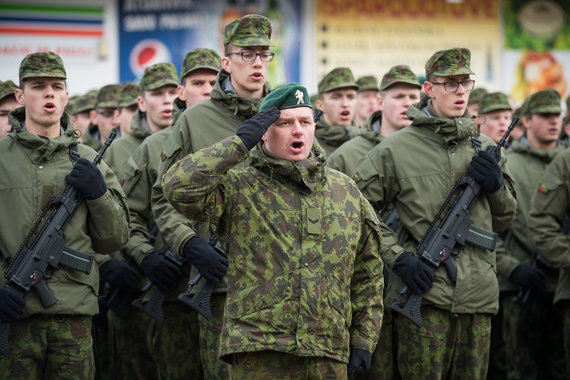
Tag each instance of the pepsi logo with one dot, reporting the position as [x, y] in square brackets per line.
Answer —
[146, 53]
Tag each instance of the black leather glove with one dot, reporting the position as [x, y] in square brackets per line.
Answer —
[119, 274]
[529, 277]
[161, 271]
[251, 130]
[87, 178]
[209, 263]
[486, 171]
[12, 304]
[359, 361]
[415, 273]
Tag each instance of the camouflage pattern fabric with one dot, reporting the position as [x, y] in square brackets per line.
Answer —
[534, 346]
[70, 103]
[210, 332]
[108, 96]
[545, 101]
[128, 94]
[249, 30]
[399, 74]
[180, 328]
[448, 346]
[85, 102]
[63, 343]
[42, 64]
[454, 61]
[493, 101]
[367, 83]
[337, 78]
[200, 59]
[279, 365]
[7, 88]
[159, 75]
[476, 94]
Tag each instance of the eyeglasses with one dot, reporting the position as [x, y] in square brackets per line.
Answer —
[453, 86]
[250, 56]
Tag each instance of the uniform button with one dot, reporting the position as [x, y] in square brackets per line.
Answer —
[306, 265]
[453, 153]
[460, 121]
[41, 167]
[300, 339]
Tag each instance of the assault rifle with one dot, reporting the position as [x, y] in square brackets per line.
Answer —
[153, 306]
[201, 300]
[438, 244]
[48, 251]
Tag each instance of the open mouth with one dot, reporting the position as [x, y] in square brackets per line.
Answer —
[345, 115]
[460, 103]
[257, 76]
[297, 146]
[50, 107]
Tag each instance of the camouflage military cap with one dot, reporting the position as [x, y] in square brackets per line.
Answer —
[128, 94]
[545, 101]
[288, 96]
[476, 94]
[249, 30]
[70, 104]
[108, 96]
[494, 101]
[454, 61]
[200, 59]
[367, 83]
[338, 78]
[399, 74]
[85, 102]
[42, 64]
[159, 75]
[7, 88]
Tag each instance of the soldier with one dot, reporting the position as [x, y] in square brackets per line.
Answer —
[497, 114]
[399, 88]
[236, 96]
[104, 117]
[81, 110]
[337, 101]
[39, 154]
[415, 170]
[474, 99]
[302, 245]
[549, 214]
[565, 133]
[533, 342]
[198, 77]
[8, 103]
[128, 105]
[366, 98]
[519, 129]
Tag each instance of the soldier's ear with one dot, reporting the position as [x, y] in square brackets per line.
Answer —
[19, 94]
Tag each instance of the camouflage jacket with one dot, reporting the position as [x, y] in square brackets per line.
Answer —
[415, 169]
[198, 127]
[346, 157]
[121, 149]
[549, 206]
[526, 165]
[33, 171]
[303, 248]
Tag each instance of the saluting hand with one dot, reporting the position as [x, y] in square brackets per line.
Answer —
[253, 129]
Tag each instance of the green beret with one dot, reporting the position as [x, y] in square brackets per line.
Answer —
[367, 83]
[399, 74]
[107, 97]
[42, 64]
[128, 94]
[159, 75]
[288, 96]
[200, 59]
[545, 101]
[7, 88]
[249, 30]
[338, 78]
[454, 61]
[493, 101]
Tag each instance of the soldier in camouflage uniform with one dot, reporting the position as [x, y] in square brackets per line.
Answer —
[497, 113]
[337, 100]
[128, 105]
[237, 94]
[302, 245]
[474, 99]
[104, 117]
[415, 170]
[565, 133]
[533, 342]
[549, 215]
[37, 164]
[8, 103]
[366, 98]
[81, 112]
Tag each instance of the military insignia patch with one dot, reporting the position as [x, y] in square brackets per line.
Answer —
[122, 180]
[542, 188]
[163, 155]
[355, 178]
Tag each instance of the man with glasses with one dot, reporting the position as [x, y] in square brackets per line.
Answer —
[104, 117]
[415, 170]
[236, 97]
